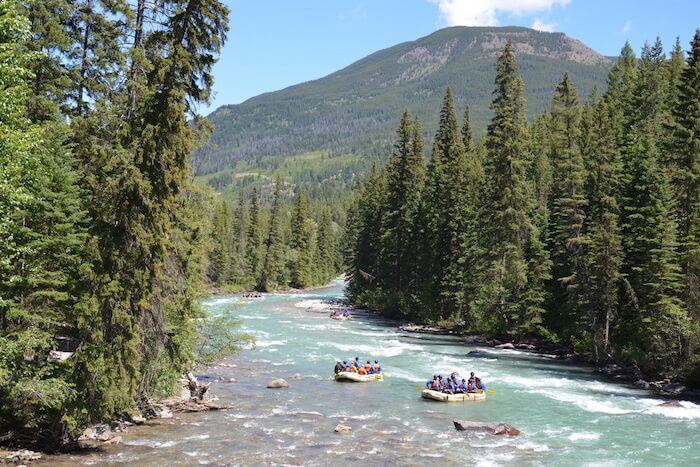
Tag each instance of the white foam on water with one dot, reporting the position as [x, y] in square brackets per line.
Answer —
[312, 304]
[688, 411]
[197, 437]
[368, 416]
[528, 382]
[270, 343]
[400, 374]
[585, 402]
[584, 436]
[532, 446]
[253, 317]
[221, 301]
[389, 348]
[150, 443]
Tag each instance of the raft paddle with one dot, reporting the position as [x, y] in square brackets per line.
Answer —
[386, 373]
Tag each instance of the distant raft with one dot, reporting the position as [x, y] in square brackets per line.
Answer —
[340, 317]
[459, 397]
[358, 378]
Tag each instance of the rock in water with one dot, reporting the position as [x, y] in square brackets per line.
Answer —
[507, 345]
[296, 376]
[342, 429]
[493, 428]
[670, 404]
[505, 429]
[277, 383]
[673, 388]
[22, 455]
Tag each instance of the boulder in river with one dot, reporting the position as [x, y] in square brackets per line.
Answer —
[673, 388]
[100, 432]
[493, 428]
[507, 345]
[342, 429]
[640, 383]
[670, 404]
[277, 384]
[295, 376]
[23, 455]
[524, 346]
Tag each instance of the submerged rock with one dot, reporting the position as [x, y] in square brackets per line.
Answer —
[493, 428]
[342, 429]
[23, 455]
[507, 345]
[277, 384]
[295, 376]
[670, 404]
[232, 380]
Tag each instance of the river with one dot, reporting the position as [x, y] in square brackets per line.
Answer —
[568, 414]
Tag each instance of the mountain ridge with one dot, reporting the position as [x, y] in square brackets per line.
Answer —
[359, 105]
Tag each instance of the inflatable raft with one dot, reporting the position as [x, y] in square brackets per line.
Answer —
[445, 397]
[340, 317]
[358, 378]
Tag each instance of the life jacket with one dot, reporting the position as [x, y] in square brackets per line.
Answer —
[362, 371]
[352, 369]
[436, 384]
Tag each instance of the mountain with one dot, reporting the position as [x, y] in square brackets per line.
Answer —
[356, 110]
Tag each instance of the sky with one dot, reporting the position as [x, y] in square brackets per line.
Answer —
[273, 44]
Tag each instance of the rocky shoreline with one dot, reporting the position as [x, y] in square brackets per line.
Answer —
[624, 374]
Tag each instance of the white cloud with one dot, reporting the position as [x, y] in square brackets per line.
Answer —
[626, 28]
[540, 25]
[485, 12]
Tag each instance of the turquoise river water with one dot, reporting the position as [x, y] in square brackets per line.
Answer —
[569, 415]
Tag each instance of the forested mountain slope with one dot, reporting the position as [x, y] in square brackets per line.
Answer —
[357, 108]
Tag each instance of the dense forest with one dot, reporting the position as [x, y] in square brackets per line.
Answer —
[103, 241]
[581, 227]
[279, 246]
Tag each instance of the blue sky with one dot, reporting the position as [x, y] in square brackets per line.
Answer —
[273, 44]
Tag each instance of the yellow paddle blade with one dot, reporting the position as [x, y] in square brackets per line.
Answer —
[415, 386]
[386, 373]
[491, 391]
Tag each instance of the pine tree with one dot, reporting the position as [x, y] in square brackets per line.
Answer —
[569, 235]
[685, 157]
[447, 214]
[404, 181]
[604, 255]
[325, 255]
[516, 263]
[238, 247]
[221, 238]
[273, 269]
[253, 251]
[302, 243]
[365, 252]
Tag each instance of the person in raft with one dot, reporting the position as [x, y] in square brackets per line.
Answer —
[339, 366]
[476, 383]
[347, 313]
[363, 370]
[375, 369]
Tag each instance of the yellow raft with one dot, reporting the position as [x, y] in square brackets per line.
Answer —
[358, 378]
[460, 397]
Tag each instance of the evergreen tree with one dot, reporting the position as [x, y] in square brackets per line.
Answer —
[273, 269]
[516, 263]
[404, 180]
[221, 238]
[685, 157]
[253, 251]
[447, 215]
[326, 248]
[238, 248]
[302, 243]
[568, 230]
[604, 255]
[367, 234]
